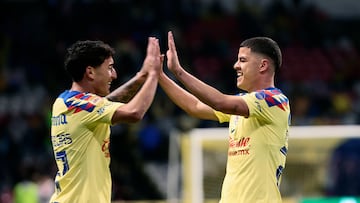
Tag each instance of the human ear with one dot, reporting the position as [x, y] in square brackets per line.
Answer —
[264, 65]
[90, 72]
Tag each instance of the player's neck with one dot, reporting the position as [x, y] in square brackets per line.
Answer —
[262, 84]
[80, 87]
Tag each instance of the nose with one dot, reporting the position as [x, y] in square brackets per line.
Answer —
[236, 65]
[113, 74]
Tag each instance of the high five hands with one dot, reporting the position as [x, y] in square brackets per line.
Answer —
[153, 63]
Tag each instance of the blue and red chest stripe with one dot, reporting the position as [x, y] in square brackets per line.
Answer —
[273, 97]
[77, 101]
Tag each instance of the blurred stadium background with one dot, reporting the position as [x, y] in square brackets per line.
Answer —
[320, 43]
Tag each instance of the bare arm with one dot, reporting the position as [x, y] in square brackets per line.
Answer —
[126, 92]
[190, 104]
[136, 108]
[225, 103]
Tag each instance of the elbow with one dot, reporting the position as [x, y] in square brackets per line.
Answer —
[135, 116]
[128, 117]
[218, 106]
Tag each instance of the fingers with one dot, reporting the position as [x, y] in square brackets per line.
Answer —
[149, 46]
[153, 46]
[156, 59]
[171, 43]
[157, 47]
[162, 58]
[153, 60]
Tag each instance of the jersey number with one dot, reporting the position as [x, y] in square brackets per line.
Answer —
[61, 156]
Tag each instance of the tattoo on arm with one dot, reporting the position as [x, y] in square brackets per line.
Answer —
[125, 92]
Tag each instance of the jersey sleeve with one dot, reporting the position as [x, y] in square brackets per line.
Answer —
[258, 106]
[222, 117]
[266, 104]
[102, 112]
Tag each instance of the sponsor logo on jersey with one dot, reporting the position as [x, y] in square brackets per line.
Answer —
[239, 147]
[101, 110]
[61, 139]
[105, 147]
[58, 120]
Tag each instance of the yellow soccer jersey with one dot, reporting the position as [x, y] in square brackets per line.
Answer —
[80, 135]
[257, 148]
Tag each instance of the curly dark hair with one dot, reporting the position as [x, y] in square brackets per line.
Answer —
[85, 53]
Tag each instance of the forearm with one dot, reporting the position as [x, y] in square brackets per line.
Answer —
[126, 92]
[199, 89]
[143, 99]
[212, 97]
[186, 101]
[135, 109]
[179, 96]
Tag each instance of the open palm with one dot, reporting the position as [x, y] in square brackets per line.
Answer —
[171, 54]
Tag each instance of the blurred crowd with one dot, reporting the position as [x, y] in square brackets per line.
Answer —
[319, 74]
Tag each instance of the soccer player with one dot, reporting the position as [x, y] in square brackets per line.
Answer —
[258, 119]
[82, 115]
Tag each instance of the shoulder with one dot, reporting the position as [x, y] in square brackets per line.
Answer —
[82, 97]
[269, 97]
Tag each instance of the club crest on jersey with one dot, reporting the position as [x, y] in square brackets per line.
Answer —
[260, 95]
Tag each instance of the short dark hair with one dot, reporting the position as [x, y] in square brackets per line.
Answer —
[266, 46]
[85, 53]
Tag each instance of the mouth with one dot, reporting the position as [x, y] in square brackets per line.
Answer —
[239, 74]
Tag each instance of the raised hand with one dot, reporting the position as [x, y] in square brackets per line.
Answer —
[171, 54]
[152, 62]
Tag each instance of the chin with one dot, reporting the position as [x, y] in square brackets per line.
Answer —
[241, 88]
[238, 85]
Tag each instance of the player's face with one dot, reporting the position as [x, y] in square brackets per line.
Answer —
[105, 74]
[247, 66]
